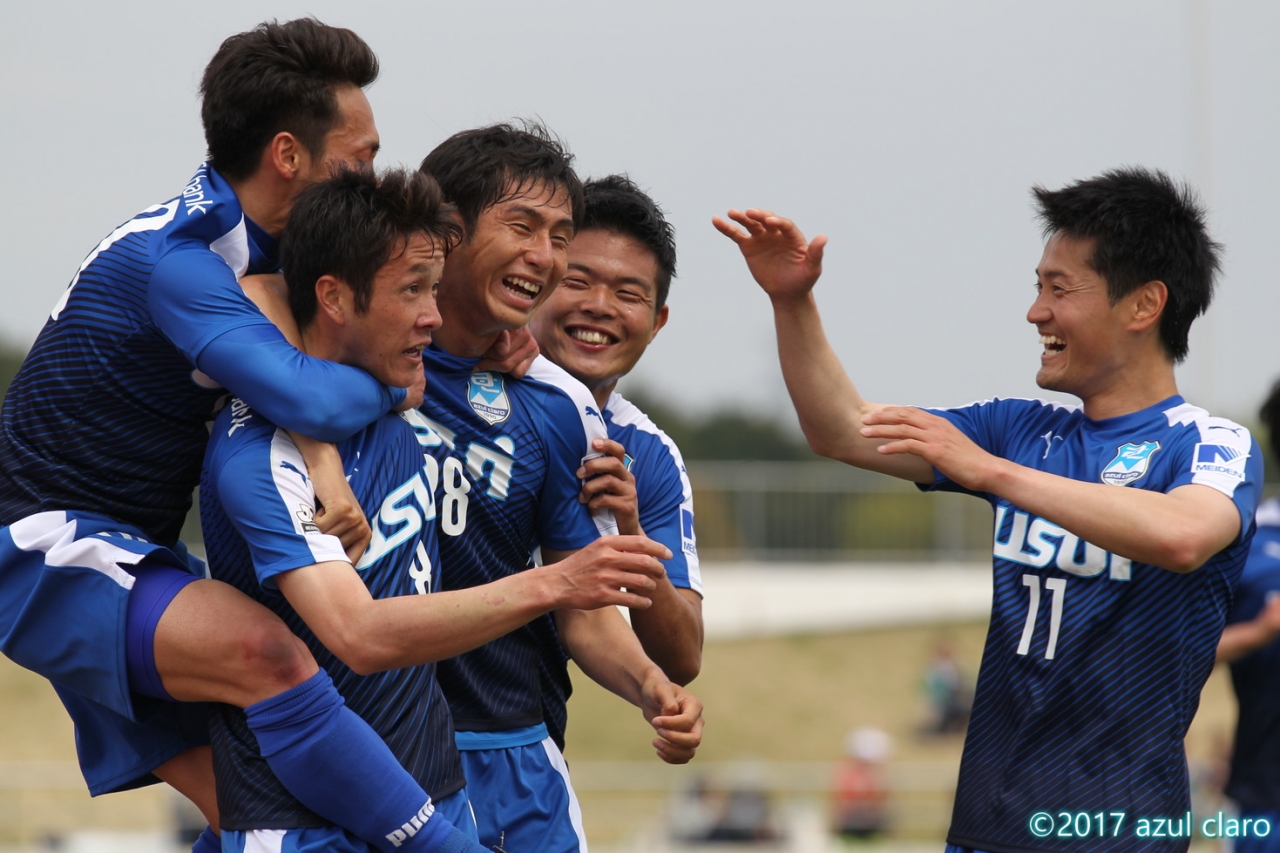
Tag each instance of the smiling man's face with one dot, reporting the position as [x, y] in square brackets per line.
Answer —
[599, 321]
[510, 261]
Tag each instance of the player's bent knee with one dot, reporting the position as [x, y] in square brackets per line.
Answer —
[275, 657]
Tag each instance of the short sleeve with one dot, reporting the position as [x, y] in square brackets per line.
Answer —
[263, 486]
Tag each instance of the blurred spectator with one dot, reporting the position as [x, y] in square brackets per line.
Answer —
[947, 692]
[860, 794]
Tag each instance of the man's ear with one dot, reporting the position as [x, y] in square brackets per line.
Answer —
[286, 156]
[658, 322]
[334, 299]
[1149, 301]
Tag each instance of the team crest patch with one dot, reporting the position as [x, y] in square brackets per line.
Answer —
[1220, 459]
[488, 397]
[1130, 464]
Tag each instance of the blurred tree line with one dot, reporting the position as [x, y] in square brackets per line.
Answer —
[10, 361]
[726, 433]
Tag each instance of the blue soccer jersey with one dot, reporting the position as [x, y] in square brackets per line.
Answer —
[109, 411]
[665, 498]
[508, 452]
[1255, 761]
[257, 507]
[1093, 663]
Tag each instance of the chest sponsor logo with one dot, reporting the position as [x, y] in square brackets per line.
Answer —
[1220, 459]
[1131, 462]
[487, 394]
[1041, 544]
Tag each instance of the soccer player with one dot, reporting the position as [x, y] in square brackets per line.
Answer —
[1121, 525]
[610, 305]
[1249, 644]
[102, 435]
[511, 461]
[362, 256]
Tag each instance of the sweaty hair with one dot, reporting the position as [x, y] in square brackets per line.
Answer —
[485, 166]
[1270, 417]
[1145, 228]
[614, 203]
[349, 226]
[274, 78]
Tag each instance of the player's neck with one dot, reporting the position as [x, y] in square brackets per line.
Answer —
[1130, 392]
[456, 337]
[317, 344]
[264, 201]
[467, 330]
[602, 392]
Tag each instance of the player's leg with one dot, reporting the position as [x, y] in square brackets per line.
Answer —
[209, 642]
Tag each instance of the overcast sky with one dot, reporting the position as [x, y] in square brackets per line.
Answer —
[909, 132]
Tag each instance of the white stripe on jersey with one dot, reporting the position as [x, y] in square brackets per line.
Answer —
[233, 247]
[625, 413]
[1218, 460]
[293, 482]
[139, 223]
[545, 371]
[55, 535]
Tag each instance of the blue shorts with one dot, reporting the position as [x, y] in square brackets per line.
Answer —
[66, 580]
[520, 790]
[456, 808]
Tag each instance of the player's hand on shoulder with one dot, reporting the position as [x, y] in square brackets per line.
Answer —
[612, 570]
[513, 353]
[607, 484]
[776, 252]
[676, 716]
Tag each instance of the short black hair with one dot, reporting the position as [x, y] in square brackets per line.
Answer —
[484, 166]
[614, 203]
[278, 77]
[348, 226]
[1270, 417]
[1145, 227]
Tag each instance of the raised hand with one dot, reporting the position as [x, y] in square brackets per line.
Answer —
[776, 252]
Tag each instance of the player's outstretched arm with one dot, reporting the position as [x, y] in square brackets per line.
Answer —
[605, 648]
[1178, 530]
[370, 635]
[831, 411]
[196, 301]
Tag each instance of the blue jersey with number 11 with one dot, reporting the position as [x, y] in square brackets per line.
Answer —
[1093, 663]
